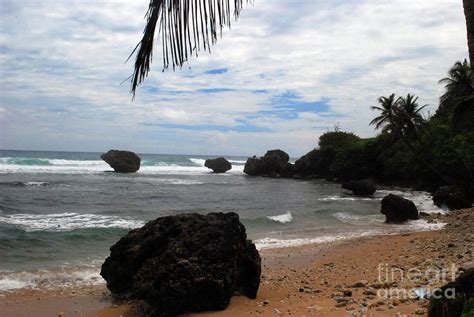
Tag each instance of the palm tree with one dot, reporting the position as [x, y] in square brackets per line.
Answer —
[469, 14]
[408, 115]
[387, 108]
[186, 27]
[459, 95]
[399, 117]
[458, 85]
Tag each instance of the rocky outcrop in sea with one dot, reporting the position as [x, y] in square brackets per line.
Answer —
[122, 161]
[364, 187]
[218, 165]
[275, 163]
[451, 197]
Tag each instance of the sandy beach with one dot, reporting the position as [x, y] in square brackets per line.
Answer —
[345, 278]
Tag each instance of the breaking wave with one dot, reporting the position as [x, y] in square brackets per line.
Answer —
[67, 221]
[284, 218]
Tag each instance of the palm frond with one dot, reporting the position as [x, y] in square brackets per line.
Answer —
[378, 121]
[186, 27]
[421, 108]
[377, 108]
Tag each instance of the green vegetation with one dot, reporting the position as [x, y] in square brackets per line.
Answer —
[426, 153]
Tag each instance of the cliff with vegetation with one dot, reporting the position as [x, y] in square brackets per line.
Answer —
[410, 150]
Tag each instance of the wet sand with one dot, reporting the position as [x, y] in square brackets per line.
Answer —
[344, 278]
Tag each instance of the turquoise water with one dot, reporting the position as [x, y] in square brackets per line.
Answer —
[61, 211]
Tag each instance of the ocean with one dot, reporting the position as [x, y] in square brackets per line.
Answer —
[61, 211]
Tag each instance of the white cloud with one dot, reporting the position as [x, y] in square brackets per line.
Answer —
[62, 63]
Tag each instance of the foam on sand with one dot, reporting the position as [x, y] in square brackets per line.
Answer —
[384, 229]
[65, 277]
[274, 243]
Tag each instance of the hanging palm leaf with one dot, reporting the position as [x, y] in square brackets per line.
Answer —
[186, 27]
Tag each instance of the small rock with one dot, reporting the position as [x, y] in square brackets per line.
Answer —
[313, 308]
[468, 265]
[341, 304]
[369, 291]
[347, 293]
[361, 283]
[340, 299]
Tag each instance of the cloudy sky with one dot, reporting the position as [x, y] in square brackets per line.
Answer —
[288, 71]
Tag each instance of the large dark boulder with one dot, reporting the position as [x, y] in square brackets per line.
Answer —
[364, 187]
[316, 164]
[398, 209]
[275, 160]
[273, 164]
[288, 171]
[254, 167]
[184, 263]
[455, 298]
[303, 165]
[218, 165]
[122, 161]
[452, 197]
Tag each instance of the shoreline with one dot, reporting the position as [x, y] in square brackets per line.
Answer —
[312, 280]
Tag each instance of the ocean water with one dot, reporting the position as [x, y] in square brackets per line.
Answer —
[61, 211]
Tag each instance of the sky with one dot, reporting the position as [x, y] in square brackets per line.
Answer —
[286, 72]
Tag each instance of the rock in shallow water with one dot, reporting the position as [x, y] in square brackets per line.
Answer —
[184, 263]
[398, 209]
[122, 161]
[273, 164]
[364, 187]
[452, 197]
[218, 165]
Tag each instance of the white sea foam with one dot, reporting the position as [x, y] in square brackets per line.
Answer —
[177, 181]
[356, 219]
[273, 243]
[422, 200]
[10, 281]
[410, 226]
[379, 220]
[199, 162]
[55, 166]
[36, 183]
[237, 162]
[284, 218]
[67, 221]
[61, 166]
[343, 198]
